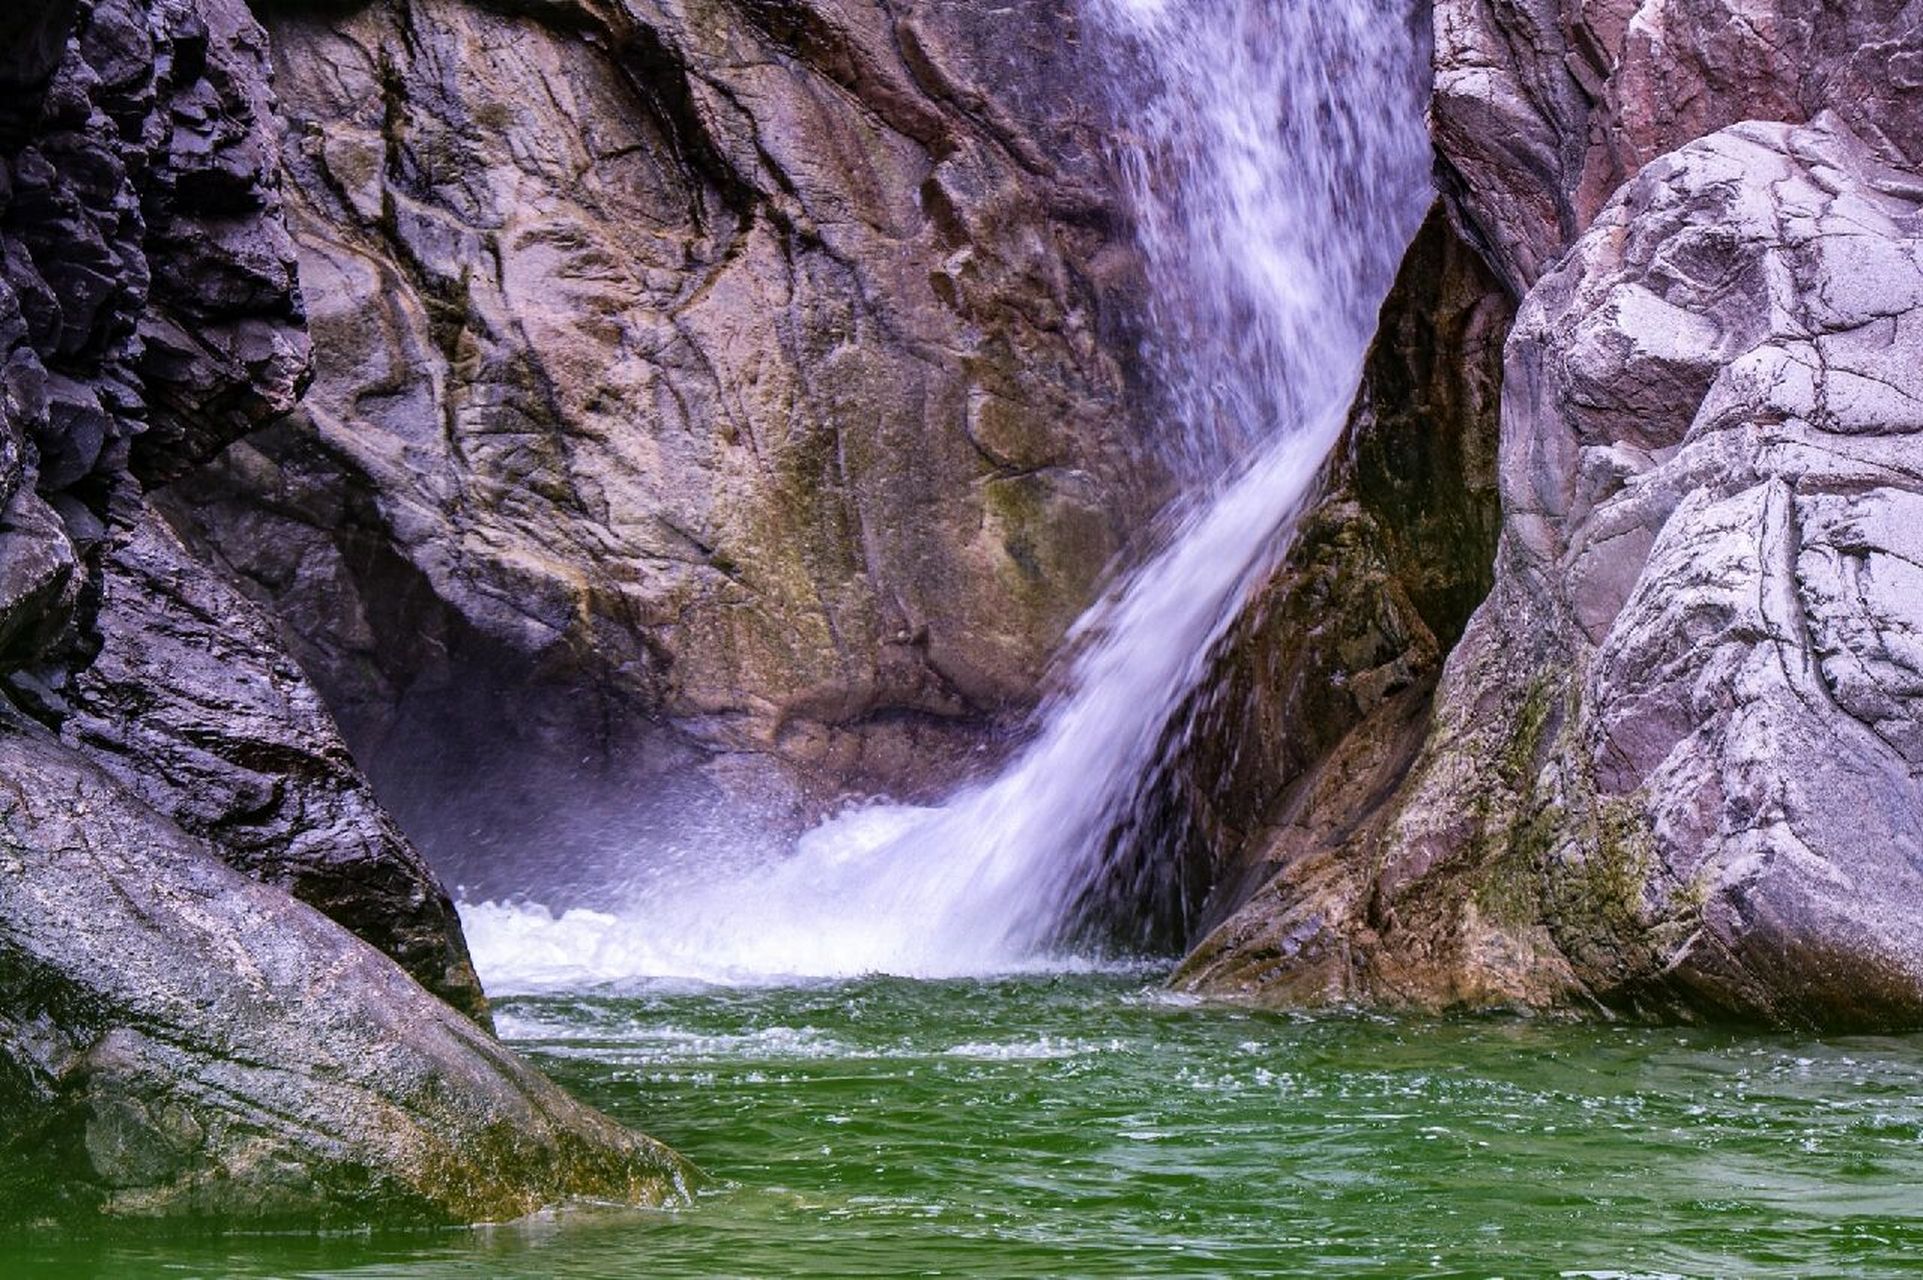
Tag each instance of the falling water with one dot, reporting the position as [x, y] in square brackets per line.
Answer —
[1276, 160]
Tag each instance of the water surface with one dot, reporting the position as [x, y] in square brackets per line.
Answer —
[1090, 1125]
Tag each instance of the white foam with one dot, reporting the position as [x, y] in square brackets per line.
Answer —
[527, 949]
[1278, 167]
[640, 1041]
[1040, 1049]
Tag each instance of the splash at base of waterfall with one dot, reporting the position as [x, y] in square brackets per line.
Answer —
[982, 883]
[525, 949]
[860, 894]
[812, 914]
[1276, 163]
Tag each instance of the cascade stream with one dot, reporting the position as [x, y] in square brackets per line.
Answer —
[1276, 164]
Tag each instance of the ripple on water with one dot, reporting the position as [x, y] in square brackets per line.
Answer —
[1071, 1126]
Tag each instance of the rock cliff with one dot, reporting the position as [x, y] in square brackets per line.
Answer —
[700, 390]
[1669, 765]
[180, 1033]
[151, 315]
[736, 402]
[1319, 694]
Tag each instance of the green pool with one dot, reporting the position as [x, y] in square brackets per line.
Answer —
[1091, 1125]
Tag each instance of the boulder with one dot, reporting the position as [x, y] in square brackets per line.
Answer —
[178, 1040]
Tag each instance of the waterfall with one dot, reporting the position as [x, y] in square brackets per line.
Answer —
[1277, 164]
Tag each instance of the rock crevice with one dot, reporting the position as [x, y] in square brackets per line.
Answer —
[189, 1024]
[1671, 763]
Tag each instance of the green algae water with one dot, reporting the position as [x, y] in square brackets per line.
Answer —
[1093, 1125]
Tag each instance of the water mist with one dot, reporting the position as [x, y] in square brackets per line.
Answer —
[1276, 161]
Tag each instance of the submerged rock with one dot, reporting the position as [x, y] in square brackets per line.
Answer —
[1674, 759]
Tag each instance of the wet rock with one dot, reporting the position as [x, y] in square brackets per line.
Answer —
[182, 1041]
[178, 1038]
[1521, 858]
[751, 379]
[1672, 765]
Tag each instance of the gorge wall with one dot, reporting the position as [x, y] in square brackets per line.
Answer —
[731, 405]
[1670, 766]
[721, 401]
[189, 1023]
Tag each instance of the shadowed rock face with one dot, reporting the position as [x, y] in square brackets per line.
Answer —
[176, 1037]
[192, 704]
[1319, 693]
[735, 378]
[746, 382]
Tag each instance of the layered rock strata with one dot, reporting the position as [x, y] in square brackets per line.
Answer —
[696, 386]
[180, 1033]
[151, 315]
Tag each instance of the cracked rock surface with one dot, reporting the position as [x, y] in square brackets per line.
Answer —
[1544, 108]
[1320, 693]
[150, 315]
[729, 381]
[1674, 763]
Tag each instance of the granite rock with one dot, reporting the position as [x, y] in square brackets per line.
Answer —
[1671, 768]
[720, 384]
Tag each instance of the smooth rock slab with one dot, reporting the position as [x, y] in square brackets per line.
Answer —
[179, 1040]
